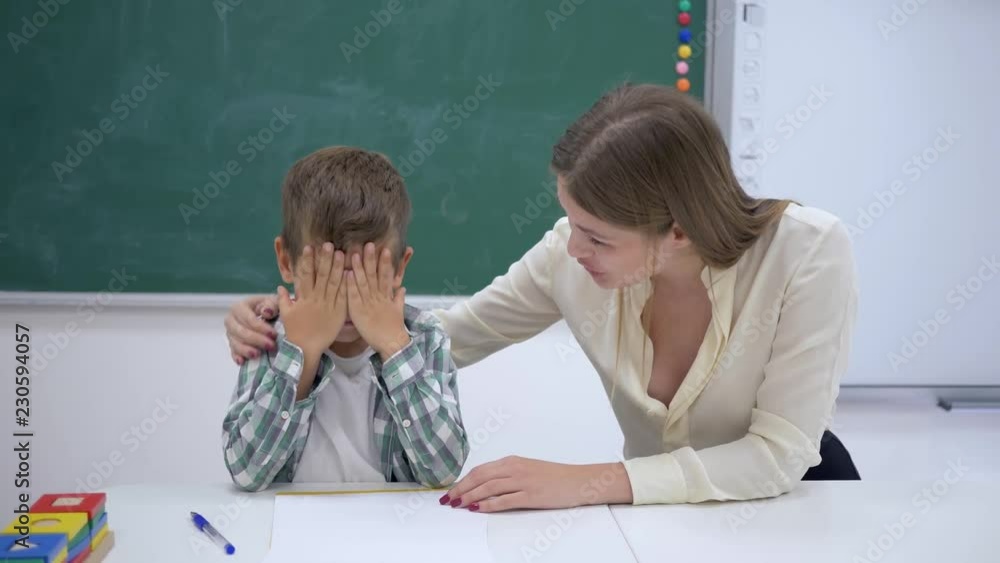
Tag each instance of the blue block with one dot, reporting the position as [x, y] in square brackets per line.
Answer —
[44, 547]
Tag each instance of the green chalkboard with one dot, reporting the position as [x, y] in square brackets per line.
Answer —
[152, 137]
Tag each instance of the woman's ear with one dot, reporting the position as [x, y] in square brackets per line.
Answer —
[401, 268]
[675, 240]
[284, 260]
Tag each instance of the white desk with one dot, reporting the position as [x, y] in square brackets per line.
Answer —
[818, 522]
[826, 522]
[153, 524]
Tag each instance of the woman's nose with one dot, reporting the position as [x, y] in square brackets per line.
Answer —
[574, 248]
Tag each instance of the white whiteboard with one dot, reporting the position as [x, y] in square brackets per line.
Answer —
[889, 107]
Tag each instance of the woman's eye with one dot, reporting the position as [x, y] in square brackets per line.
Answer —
[596, 242]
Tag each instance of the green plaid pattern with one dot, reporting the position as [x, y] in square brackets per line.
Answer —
[418, 424]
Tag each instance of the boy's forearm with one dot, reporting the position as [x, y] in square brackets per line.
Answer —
[256, 438]
[411, 379]
[310, 365]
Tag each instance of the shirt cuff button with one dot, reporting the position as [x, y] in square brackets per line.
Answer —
[406, 423]
[284, 415]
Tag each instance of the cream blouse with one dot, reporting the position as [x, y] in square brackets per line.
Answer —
[747, 420]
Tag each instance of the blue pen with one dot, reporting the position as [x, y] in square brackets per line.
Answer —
[204, 526]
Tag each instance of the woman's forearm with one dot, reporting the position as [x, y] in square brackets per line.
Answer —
[606, 483]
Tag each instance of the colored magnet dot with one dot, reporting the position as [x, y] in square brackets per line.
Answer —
[682, 67]
[684, 18]
[684, 36]
[684, 5]
[684, 51]
[683, 84]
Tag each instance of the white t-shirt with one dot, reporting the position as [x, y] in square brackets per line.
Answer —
[341, 444]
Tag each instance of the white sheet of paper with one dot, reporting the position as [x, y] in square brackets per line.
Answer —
[376, 527]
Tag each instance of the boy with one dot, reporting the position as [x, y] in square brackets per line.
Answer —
[360, 386]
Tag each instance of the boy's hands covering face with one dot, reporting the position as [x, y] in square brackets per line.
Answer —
[317, 315]
[376, 309]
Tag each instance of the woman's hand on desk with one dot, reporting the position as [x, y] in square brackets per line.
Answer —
[515, 482]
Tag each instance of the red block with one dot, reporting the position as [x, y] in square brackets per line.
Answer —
[90, 503]
[82, 557]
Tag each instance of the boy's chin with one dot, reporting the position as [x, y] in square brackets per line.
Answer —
[348, 334]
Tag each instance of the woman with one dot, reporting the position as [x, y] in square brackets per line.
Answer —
[720, 324]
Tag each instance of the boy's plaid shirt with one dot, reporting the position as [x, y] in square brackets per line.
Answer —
[418, 424]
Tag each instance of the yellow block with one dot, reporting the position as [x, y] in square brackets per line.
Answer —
[62, 556]
[69, 523]
[99, 536]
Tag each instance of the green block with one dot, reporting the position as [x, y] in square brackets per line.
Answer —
[82, 536]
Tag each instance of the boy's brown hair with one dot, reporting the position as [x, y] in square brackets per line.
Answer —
[347, 196]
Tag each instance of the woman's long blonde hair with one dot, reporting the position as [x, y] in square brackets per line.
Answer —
[645, 156]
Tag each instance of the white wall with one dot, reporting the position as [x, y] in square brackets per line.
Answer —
[546, 400]
[884, 113]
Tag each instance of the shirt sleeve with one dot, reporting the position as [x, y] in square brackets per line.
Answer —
[421, 391]
[265, 428]
[515, 307]
[795, 401]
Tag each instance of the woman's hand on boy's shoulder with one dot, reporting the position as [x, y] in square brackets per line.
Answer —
[247, 328]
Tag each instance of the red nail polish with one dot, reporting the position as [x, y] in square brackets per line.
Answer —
[268, 313]
[456, 503]
[474, 506]
[445, 499]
